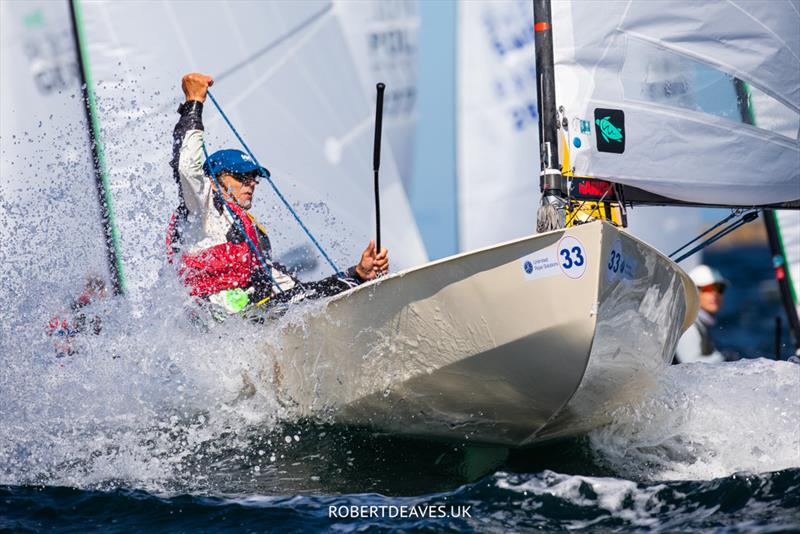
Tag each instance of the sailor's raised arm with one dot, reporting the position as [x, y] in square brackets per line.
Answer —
[187, 154]
[195, 86]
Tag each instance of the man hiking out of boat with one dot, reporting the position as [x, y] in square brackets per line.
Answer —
[212, 233]
[696, 344]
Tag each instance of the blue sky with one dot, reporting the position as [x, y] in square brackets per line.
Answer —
[433, 183]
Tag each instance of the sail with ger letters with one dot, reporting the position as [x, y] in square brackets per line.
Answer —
[50, 217]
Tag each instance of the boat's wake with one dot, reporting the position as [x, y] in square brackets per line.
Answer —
[708, 421]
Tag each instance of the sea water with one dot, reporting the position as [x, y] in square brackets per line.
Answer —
[163, 424]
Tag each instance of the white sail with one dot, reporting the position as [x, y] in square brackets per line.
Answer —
[498, 139]
[662, 65]
[769, 113]
[789, 230]
[383, 41]
[497, 123]
[287, 79]
[50, 226]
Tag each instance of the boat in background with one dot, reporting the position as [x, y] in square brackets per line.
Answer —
[514, 344]
[783, 227]
[55, 228]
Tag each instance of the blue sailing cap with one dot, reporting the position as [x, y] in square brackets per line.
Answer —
[232, 161]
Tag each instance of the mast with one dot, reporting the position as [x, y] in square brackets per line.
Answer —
[782, 275]
[551, 214]
[98, 157]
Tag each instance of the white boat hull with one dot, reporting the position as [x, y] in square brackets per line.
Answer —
[505, 345]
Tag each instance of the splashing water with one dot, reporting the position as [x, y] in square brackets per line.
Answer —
[141, 404]
[708, 421]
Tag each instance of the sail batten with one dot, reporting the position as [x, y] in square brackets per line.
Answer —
[755, 41]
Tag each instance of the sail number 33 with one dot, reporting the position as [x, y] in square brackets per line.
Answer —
[572, 256]
[613, 262]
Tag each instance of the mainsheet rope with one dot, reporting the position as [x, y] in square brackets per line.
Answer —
[266, 175]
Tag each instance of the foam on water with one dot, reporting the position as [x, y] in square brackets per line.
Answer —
[156, 403]
[621, 498]
[140, 404]
[708, 421]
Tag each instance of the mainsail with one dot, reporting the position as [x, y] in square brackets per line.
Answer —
[783, 227]
[383, 41]
[288, 78]
[51, 232]
[498, 141]
[637, 90]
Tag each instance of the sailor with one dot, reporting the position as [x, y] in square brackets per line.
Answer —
[213, 235]
[696, 344]
[63, 328]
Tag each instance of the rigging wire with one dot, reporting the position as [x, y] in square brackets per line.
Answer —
[336, 269]
[733, 214]
[744, 219]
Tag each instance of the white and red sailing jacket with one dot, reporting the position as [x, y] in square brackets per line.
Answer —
[214, 256]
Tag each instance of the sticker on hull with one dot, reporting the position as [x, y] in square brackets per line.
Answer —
[540, 264]
[567, 257]
[572, 257]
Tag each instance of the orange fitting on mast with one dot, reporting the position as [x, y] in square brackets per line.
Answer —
[541, 26]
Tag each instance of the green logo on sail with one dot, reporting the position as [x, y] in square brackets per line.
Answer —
[608, 130]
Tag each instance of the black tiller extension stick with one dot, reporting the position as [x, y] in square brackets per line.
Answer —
[376, 163]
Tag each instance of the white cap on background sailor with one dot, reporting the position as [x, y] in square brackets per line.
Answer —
[704, 276]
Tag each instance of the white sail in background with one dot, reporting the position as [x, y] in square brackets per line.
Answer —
[289, 82]
[676, 141]
[789, 229]
[50, 228]
[383, 41]
[769, 113]
[498, 139]
[497, 123]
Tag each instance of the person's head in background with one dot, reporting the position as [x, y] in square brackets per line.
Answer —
[711, 285]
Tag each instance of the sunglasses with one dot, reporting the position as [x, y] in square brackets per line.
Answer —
[715, 288]
[246, 178]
